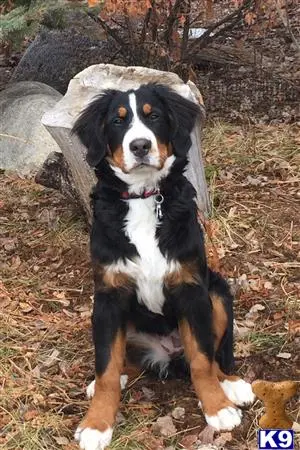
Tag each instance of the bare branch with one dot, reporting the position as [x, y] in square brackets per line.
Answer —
[171, 20]
[186, 29]
[154, 21]
[145, 25]
[110, 31]
[233, 18]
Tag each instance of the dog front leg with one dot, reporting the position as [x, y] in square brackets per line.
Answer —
[195, 320]
[109, 323]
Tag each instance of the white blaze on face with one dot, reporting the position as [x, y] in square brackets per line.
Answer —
[138, 130]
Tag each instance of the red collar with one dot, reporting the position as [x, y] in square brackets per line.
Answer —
[145, 194]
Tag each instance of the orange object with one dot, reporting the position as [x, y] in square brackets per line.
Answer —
[275, 396]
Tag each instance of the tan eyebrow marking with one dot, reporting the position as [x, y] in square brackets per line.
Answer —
[122, 112]
[147, 108]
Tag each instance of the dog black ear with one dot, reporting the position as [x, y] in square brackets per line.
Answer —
[182, 115]
[89, 127]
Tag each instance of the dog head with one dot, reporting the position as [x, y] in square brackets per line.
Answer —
[138, 130]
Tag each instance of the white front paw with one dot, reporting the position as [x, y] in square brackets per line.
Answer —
[239, 392]
[226, 419]
[91, 439]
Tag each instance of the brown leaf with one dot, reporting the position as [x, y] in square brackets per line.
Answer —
[188, 441]
[278, 315]
[31, 414]
[164, 426]
[52, 359]
[207, 435]
[223, 438]
[25, 307]
[250, 18]
[60, 440]
[178, 413]
[294, 327]
[15, 262]
[148, 393]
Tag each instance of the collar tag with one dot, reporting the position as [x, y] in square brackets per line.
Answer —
[158, 199]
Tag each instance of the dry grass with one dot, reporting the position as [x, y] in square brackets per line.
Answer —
[46, 356]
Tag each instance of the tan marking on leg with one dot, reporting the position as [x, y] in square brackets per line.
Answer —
[203, 374]
[105, 403]
[122, 111]
[147, 108]
[187, 273]
[220, 322]
[220, 319]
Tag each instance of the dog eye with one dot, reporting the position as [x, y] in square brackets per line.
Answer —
[153, 116]
[118, 121]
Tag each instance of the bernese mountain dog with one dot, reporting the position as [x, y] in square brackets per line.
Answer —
[156, 301]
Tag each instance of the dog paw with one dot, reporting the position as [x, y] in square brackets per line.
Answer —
[90, 390]
[91, 439]
[226, 419]
[239, 392]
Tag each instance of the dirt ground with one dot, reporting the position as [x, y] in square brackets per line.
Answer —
[46, 354]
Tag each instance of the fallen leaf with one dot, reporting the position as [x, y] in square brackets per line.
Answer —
[164, 426]
[31, 414]
[207, 435]
[254, 285]
[294, 327]
[284, 355]
[148, 393]
[178, 413]
[296, 427]
[25, 307]
[223, 438]
[188, 442]
[120, 418]
[278, 315]
[253, 313]
[268, 285]
[15, 262]
[9, 244]
[241, 332]
[52, 359]
[61, 298]
[243, 349]
[36, 373]
[60, 440]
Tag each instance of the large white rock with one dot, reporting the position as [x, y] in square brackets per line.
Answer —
[91, 82]
[24, 142]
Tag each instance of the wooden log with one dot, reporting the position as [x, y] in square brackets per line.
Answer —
[91, 82]
[55, 173]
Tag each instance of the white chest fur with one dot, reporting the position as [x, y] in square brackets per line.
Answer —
[150, 266]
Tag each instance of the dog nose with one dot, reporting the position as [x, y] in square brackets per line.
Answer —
[140, 147]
